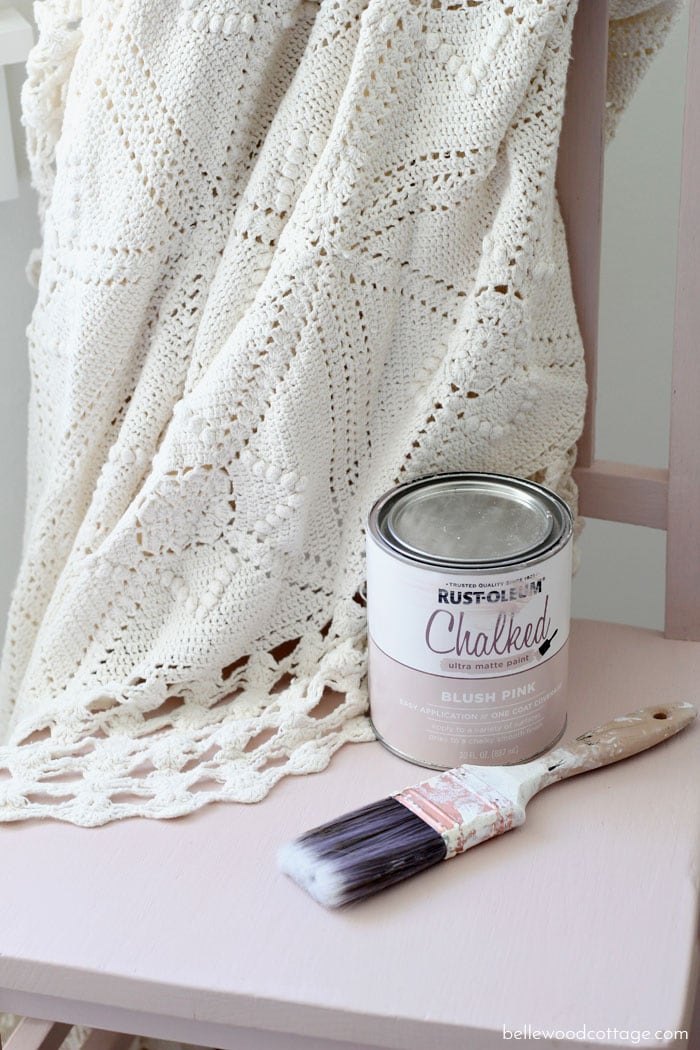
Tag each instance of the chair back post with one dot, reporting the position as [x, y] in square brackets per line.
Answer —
[659, 498]
[580, 187]
[683, 526]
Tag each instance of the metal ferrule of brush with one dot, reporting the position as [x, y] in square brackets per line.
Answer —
[465, 809]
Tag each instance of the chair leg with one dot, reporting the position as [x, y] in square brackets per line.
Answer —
[32, 1034]
[101, 1040]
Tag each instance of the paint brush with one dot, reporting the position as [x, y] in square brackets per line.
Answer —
[385, 842]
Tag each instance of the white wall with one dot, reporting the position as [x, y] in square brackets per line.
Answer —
[19, 233]
[623, 567]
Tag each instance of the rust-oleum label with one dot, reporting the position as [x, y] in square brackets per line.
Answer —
[468, 666]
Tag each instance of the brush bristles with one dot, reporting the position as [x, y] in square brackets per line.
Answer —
[363, 852]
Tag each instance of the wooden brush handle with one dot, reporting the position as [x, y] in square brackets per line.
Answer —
[617, 739]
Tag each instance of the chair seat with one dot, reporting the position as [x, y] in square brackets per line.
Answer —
[585, 917]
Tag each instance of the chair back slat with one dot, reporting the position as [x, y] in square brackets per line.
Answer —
[622, 492]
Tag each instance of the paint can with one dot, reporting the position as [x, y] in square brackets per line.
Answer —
[468, 604]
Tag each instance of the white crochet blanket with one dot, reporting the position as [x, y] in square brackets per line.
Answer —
[293, 254]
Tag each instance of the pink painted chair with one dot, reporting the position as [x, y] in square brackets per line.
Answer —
[586, 918]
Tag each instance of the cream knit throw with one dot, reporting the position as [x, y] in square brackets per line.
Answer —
[293, 254]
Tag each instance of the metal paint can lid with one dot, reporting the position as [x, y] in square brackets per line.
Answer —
[470, 520]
